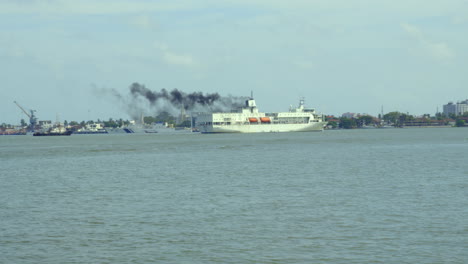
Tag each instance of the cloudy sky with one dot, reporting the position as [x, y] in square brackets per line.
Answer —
[341, 55]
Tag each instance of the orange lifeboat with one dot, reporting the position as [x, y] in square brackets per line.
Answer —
[253, 120]
[265, 119]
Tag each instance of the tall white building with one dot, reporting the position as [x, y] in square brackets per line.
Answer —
[458, 109]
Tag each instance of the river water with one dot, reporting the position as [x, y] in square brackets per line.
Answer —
[345, 196]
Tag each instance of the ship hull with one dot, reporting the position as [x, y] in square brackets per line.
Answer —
[90, 132]
[249, 120]
[153, 130]
[41, 134]
[263, 128]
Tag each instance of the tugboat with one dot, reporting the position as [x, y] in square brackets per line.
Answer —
[57, 130]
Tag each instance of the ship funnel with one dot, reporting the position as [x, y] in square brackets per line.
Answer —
[251, 103]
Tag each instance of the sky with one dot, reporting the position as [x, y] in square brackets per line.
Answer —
[58, 56]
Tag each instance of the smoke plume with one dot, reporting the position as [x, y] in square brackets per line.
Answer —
[142, 100]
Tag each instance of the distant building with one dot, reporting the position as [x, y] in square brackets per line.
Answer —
[457, 109]
[348, 115]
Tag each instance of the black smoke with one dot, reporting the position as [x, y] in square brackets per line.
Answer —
[177, 98]
[142, 100]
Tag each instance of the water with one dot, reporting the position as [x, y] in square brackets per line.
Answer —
[349, 196]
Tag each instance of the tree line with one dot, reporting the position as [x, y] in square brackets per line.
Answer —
[163, 117]
[396, 119]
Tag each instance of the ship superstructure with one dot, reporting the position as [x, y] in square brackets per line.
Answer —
[248, 119]
[96, 128]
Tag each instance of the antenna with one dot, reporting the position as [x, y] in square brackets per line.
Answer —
[251, 94]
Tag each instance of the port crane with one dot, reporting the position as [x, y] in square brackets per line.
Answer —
[32, 117]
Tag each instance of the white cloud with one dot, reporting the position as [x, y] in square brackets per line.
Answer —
[460, 19]
[138, 6]
[438, 50]
[143, 21]
[413, 31]
[306, 65]
[177, 59]
[173, 58]
[86, 7]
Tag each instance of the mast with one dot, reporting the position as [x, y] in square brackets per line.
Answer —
[382, 121]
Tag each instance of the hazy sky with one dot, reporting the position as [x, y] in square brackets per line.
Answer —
[341, 55]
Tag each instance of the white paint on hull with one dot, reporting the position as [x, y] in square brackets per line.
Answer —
[250, 120]
[264, 128]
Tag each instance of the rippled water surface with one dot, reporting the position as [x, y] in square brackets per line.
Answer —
[347, 196]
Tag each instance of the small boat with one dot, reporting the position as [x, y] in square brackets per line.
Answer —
[155, 128]
[368, 127]
[57, 130]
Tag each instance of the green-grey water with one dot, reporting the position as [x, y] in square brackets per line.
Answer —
[347, 196]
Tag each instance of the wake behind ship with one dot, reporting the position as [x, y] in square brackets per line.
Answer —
[249, 120]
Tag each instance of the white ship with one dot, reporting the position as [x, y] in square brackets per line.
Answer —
[249, 120]
[91, 129]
